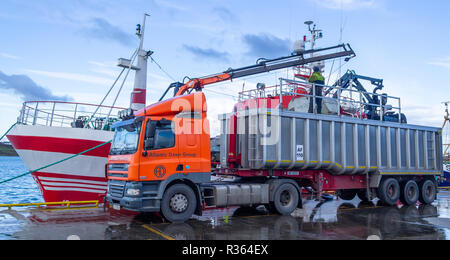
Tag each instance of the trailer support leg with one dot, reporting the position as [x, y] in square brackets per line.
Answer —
[319, 186]
[368, 193]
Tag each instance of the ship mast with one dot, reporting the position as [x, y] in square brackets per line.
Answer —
[139, 93]
[315, 33]
[304, 72]
[138, 96]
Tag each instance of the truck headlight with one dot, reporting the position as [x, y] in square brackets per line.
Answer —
[133, 192]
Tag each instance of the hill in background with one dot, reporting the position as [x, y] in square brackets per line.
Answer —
[7, 150]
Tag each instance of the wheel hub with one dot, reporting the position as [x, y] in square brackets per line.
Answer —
[411, 192]
[285, 198]
[428, 191]
[390, 191]
[179, 203]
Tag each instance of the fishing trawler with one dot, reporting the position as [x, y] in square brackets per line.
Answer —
[50, 131]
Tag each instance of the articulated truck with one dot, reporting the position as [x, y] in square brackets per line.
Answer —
[272, 145]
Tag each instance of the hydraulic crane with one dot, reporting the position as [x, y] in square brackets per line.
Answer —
[264, 65]
[352, 80]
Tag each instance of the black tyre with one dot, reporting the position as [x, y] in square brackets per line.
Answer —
[427, 191]
[347, 194]
[389, 191]
[286, 199]
[178, 203]
[409, 193]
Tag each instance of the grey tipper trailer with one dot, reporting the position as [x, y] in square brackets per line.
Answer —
[278, 139]
[393, 160]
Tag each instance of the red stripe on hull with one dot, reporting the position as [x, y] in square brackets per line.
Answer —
[58, 145]
[86, 178]
[72, 192]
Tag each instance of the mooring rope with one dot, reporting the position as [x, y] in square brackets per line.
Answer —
[60, 161]
[8, 131]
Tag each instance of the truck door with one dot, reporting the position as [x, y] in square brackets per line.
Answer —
[160, 156]
[189, 141]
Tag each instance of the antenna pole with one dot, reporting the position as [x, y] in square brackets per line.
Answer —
[141, 33]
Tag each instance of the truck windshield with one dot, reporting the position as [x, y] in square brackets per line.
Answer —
[126, 139]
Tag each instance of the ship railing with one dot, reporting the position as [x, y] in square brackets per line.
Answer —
[349, 101]
[68, 114]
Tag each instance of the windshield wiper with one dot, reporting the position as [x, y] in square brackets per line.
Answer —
[127, 150]
[114, 151]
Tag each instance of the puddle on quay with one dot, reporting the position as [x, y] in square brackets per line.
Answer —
[335, 219]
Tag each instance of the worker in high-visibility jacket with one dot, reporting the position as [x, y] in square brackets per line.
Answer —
[317, 79]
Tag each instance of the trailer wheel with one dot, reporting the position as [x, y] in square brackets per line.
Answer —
[347, 194]
[285, 199]
[362, 195]
[409, 193]
[427, 192]
[178, 203]
[389, 191]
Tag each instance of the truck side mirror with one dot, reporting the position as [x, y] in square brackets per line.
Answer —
[150, 129]
[149, 134]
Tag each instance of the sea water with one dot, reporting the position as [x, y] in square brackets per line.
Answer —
[21, 190]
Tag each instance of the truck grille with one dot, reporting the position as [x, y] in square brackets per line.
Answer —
[116, 188]
[118, 167]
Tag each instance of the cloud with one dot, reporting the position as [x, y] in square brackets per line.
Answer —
[266, 45]
[73, 76]
[210, 54]
[28, 89]
[442, 62]
[100, 28]
[225, 14]
[346, 4]
[170, 5]
[431, 115]
[9, 56]
[106, 68]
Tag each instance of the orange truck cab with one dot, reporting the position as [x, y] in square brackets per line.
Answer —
[163, 145]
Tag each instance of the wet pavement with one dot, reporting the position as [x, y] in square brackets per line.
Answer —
[335, 219]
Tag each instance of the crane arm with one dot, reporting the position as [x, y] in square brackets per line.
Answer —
[199, 83]
[264, 65]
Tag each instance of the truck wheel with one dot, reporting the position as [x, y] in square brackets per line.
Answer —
[286, 199]
[389, 191]
[427, 192]
[409, 193]
[347, 194]
[178, 203]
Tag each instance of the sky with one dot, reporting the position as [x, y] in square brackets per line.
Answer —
[68, 50]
